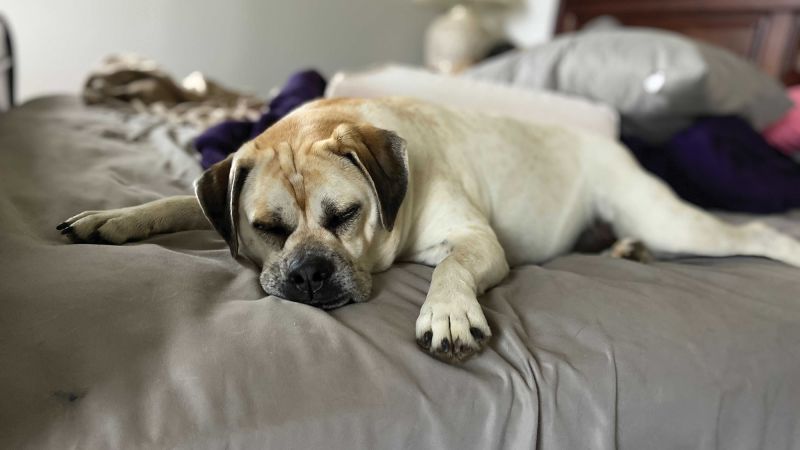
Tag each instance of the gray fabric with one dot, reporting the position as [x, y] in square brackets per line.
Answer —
[622, 67]
[170, 343]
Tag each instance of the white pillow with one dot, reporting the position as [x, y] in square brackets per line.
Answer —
[519, 103]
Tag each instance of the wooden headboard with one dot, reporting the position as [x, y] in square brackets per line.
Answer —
[764, 31]
[6, 66]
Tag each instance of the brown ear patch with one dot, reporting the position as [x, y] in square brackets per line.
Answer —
[381, 156]
[218, 191]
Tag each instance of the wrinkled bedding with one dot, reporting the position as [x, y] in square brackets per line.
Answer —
[170, 343]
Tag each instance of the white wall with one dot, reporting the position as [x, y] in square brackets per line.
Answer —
[246, 44]
[533, 22]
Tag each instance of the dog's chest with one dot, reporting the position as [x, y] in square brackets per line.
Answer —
[528, 180]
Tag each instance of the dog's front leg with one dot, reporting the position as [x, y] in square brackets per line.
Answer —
[117, 226]
[451, 324]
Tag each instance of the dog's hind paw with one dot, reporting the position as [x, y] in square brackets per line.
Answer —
[630, 249]
[452, 331]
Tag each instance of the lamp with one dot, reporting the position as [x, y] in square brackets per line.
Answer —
[460, 37]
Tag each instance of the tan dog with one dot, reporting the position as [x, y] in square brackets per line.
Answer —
[340, 189]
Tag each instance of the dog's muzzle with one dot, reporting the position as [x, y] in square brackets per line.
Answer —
[310, 279]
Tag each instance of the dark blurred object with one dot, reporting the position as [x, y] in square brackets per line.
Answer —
[499, 48]
[216, 143]
[763, 31]
[723, 163]
[6, 66]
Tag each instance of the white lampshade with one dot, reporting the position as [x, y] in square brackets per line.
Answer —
[447, 3]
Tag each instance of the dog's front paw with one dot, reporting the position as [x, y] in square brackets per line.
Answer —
[452, 330]
[115, 226]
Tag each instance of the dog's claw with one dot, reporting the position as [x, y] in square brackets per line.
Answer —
[476, 333]
[62, 225]
[444, 347]
[449, 350]
[425, 341]
[67, 230]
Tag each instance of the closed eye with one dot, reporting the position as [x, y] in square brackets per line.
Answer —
[272, 229]
[339, 220]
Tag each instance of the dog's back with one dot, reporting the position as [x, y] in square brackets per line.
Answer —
[529, 179]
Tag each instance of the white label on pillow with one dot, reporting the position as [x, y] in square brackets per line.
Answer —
[654, 82]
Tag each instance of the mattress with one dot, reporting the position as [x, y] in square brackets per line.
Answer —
[169, 342]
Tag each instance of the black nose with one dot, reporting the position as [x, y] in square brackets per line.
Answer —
[308, 276]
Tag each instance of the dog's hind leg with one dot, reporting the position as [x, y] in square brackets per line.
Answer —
[642, 207]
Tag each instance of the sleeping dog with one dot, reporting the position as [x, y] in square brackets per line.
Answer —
[340, 189]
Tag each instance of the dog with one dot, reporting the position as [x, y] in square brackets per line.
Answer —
[342, 188]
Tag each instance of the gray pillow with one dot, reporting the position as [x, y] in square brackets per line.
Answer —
[659, 81]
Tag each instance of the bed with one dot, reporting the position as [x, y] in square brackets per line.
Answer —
[170, 343]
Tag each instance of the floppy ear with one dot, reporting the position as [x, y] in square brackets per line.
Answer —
[381, 156]
[218, 191]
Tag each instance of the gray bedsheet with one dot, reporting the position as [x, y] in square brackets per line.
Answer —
[170, 343]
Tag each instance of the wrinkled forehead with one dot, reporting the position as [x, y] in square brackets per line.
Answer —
[298, 182]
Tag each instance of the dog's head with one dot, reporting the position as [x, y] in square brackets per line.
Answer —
[305, 200]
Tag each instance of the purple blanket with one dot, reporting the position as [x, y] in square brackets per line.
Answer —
[723, 163]
[221, 140]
